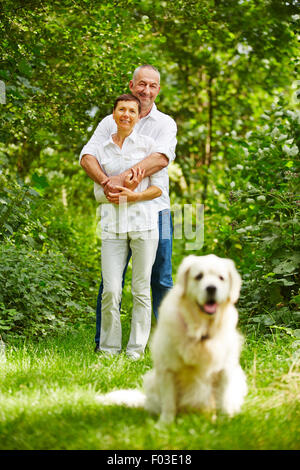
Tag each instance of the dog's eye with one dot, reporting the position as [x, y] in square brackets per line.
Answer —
[199, 276]
[221, 278]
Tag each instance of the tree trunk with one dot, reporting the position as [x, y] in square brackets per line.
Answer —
[208, 152]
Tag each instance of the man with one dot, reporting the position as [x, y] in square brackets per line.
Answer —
[145, 85]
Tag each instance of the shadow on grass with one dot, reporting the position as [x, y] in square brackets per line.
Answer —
[48, 391]
[78, 422]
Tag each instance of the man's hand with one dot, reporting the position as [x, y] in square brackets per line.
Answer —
[126, 195]
[111, 184]
[130, 181]
[134, 178]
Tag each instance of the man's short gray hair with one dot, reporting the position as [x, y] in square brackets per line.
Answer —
[146, 66]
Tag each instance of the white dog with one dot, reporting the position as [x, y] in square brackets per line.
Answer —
[196, 346]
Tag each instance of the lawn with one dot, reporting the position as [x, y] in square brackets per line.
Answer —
[48, 401]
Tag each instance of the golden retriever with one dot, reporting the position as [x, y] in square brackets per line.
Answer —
[196, 346]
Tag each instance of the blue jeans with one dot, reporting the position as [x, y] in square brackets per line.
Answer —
[161, 278]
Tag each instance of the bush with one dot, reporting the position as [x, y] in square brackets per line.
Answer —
[37, 292]
[17, 205]
[263, 217]
[45, 282]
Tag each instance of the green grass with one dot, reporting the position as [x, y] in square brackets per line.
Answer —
[47, 401]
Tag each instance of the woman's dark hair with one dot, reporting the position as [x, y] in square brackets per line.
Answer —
[128, 97]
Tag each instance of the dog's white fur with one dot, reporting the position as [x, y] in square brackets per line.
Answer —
[196, 345]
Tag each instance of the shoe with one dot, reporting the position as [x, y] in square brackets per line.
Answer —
[108, 354]
[134, 356]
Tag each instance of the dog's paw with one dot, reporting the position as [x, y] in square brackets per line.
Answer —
[231, 408]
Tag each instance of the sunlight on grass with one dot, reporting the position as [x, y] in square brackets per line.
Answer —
[48, 391]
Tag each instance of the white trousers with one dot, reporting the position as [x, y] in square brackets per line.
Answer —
[114, 252]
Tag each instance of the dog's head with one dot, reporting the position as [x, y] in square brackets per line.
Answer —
[209, 281]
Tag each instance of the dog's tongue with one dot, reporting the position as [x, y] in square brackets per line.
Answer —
[210, 307]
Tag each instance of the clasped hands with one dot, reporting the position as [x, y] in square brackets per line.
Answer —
[118, 189]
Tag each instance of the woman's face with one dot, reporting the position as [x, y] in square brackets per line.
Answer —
[126, 115]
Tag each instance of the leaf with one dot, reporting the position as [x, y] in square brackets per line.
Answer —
[287, 266]
[9, 228]
[296, 299]
[264, 319]
[286, 282]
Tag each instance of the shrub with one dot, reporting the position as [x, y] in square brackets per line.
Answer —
[38, 292]
[45, 283]
[263, 216]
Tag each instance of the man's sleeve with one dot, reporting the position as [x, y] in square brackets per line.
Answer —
[101, 134]
[158, 179]
[99, 194]
[166, 141]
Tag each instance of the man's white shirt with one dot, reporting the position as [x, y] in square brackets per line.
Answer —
[157, 125]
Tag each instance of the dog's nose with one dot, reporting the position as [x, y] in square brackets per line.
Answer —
[211, 290]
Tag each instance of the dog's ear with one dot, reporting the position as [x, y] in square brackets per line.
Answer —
[235, 282]
[183, 271]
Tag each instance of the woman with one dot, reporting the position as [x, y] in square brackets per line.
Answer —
[128, 221]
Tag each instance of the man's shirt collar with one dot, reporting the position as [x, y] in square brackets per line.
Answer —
[153, 113]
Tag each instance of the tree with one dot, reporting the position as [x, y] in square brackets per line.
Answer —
[220, 73]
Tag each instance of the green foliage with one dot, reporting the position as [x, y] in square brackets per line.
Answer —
[36, 291]
[222, 63]
[262, 213]
[62, 61]
[218, 70]
[17, 203]
[41, 286]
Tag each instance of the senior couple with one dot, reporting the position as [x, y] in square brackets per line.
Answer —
[127, 158]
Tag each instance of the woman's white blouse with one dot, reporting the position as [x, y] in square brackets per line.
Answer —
[128, 217]
[157, 125]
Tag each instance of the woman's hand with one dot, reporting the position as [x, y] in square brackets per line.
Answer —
[124, 195]
[131, 181]
[111, 184]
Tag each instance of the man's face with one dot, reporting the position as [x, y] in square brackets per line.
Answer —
[146, 87]
[126, 115]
